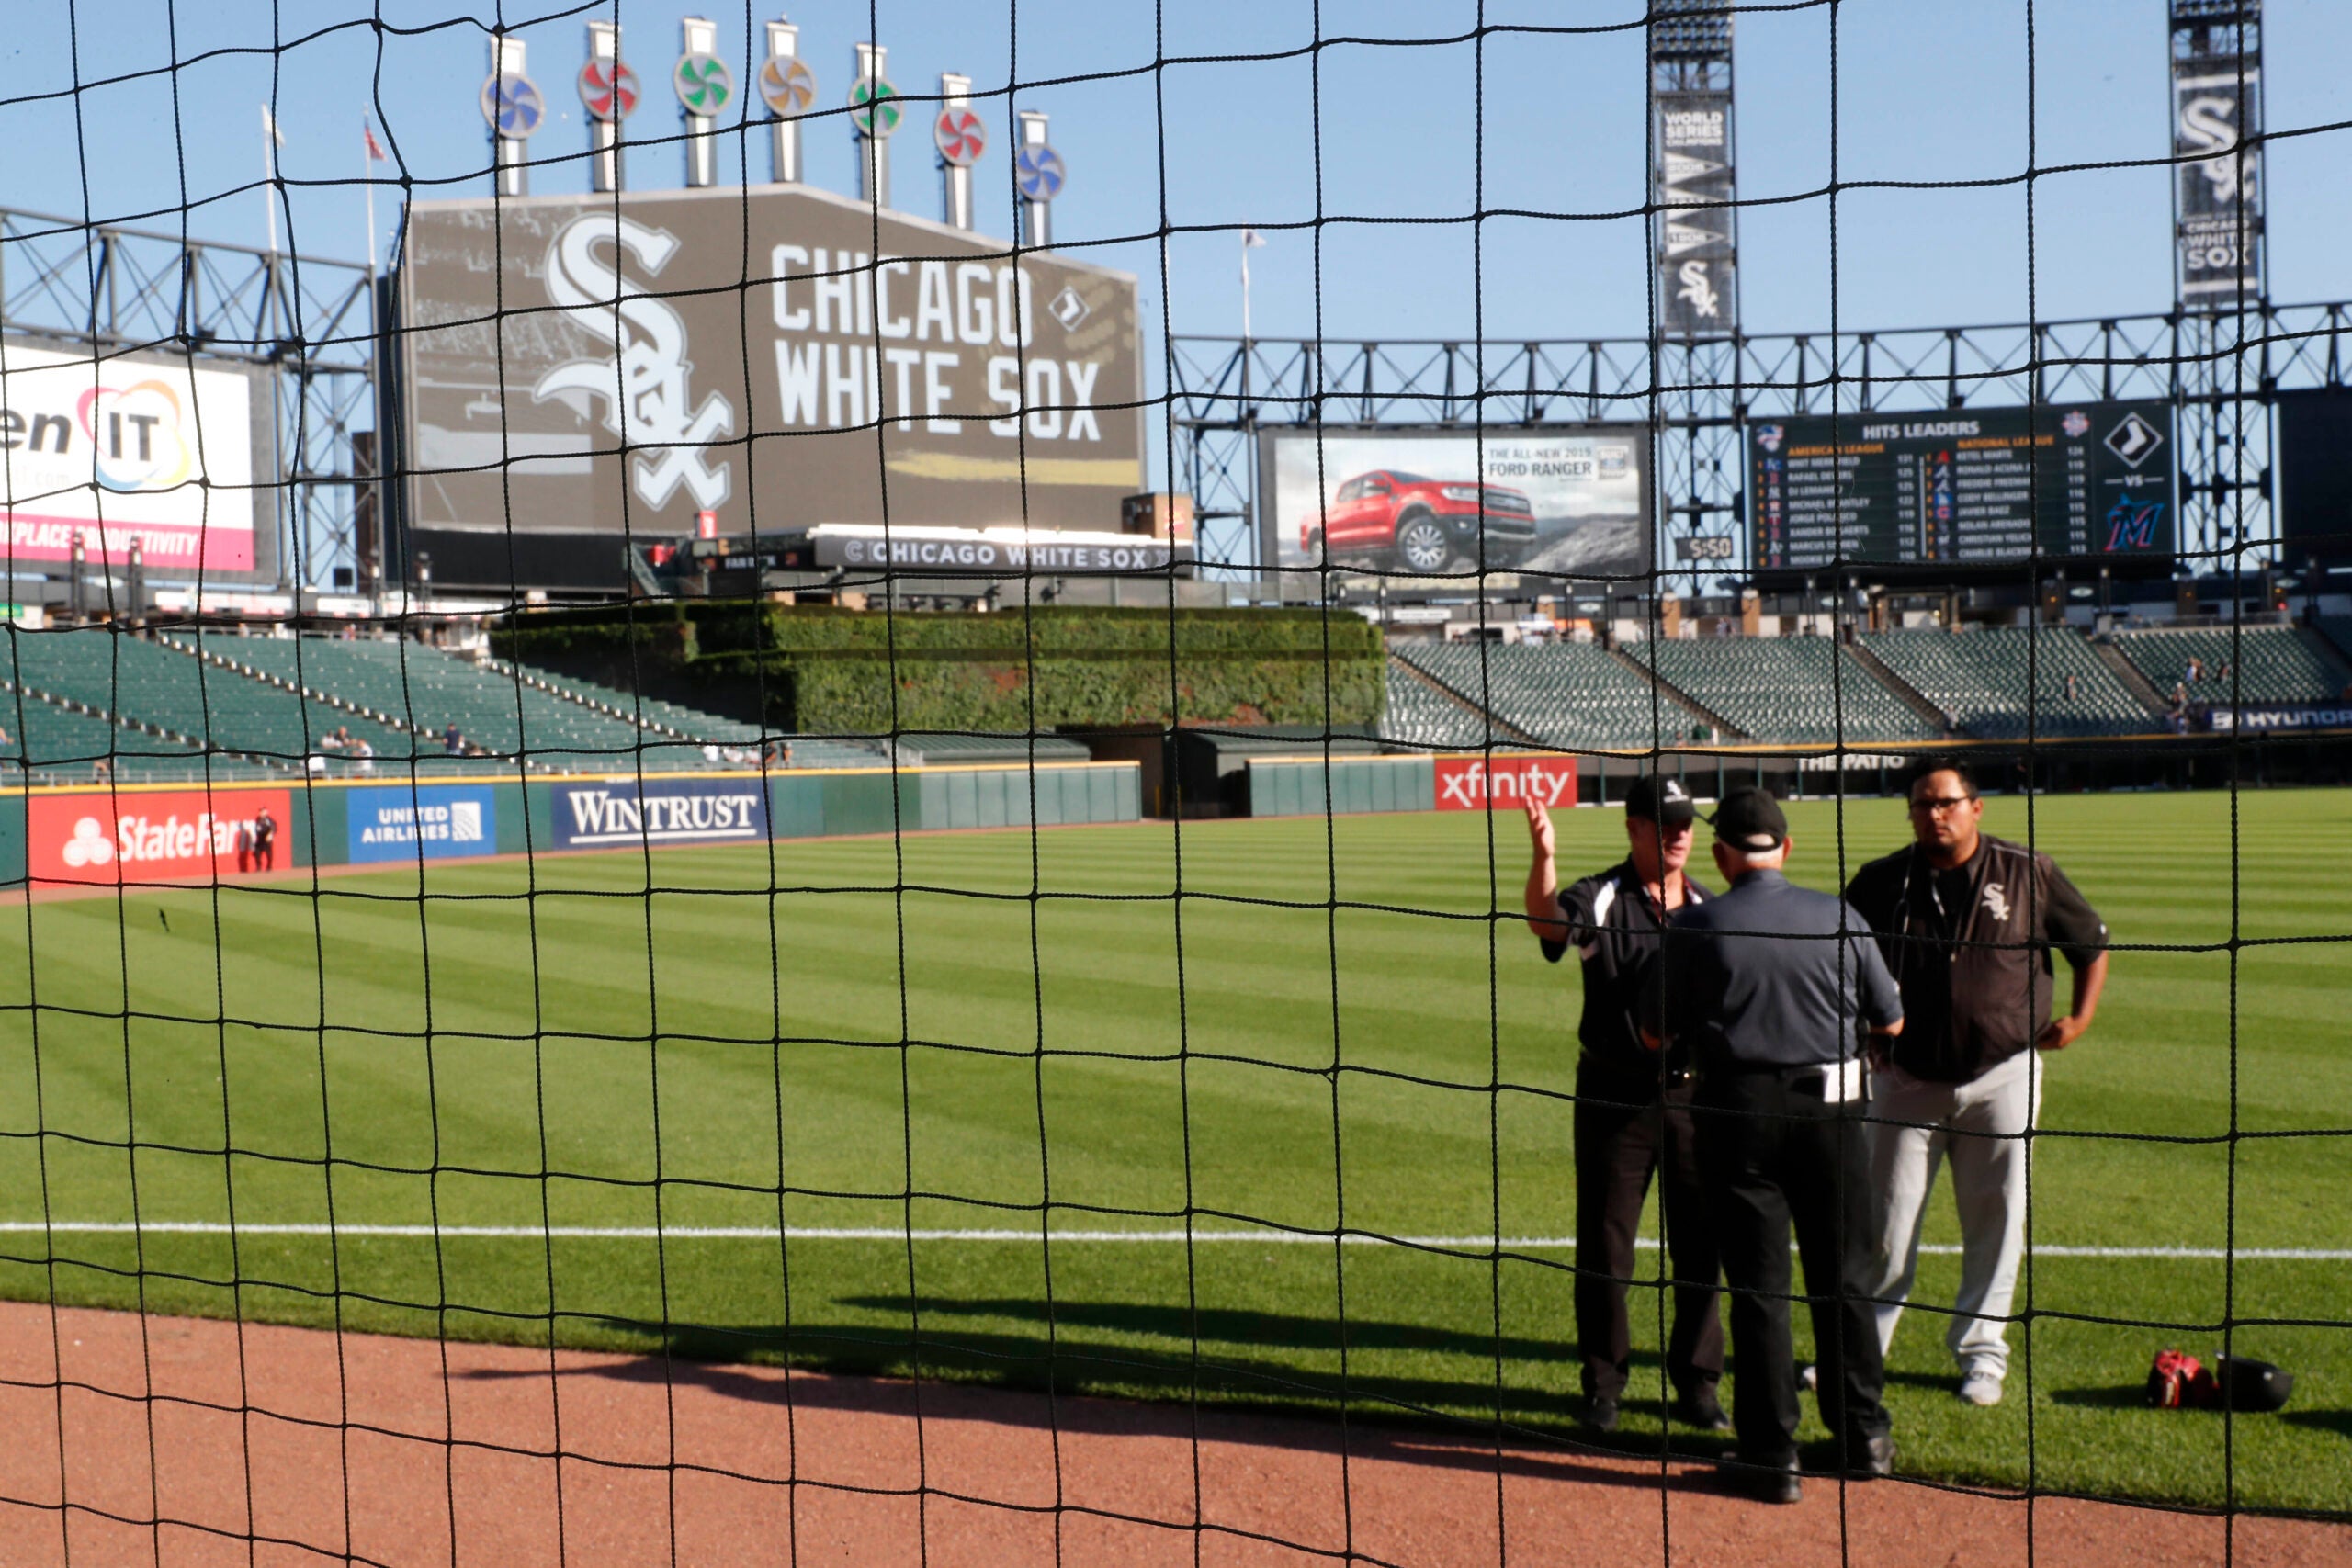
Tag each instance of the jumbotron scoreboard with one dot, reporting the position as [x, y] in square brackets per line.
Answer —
[1964, 488]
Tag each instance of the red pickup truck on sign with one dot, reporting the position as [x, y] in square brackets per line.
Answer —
[1391, 519]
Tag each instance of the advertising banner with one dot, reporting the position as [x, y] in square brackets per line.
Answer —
[2217, 104]
[134, 448]
[746, 344]
[610, 812]
[2284, 716]
[1572, 500]
[156, 835]
[430, 821]
[1692, 187]
[1476, 783]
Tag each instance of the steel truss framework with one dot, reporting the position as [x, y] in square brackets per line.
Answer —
[110, 289]
[2218, 371]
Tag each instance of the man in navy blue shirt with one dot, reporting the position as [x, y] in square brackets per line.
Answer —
[1771, 988]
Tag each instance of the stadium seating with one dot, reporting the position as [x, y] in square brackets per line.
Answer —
[2337, 629]
[1992, 682]
[1568, 694]
[2274, 664]
[1780, 689]
[1418, 713]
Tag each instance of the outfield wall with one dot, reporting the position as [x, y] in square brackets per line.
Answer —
[1312, 785]
[174, 833]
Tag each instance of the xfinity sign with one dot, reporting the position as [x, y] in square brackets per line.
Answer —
[611, 812]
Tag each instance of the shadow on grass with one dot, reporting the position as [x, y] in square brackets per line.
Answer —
[2122, 1396]
[2336, 1421]
[1012, 1367]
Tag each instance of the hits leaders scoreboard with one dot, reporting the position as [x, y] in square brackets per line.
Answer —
[1965, 487]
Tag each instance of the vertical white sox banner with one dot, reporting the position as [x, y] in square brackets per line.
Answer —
[2217, 182]
[1692, 189]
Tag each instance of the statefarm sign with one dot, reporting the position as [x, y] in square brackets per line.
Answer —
[150, 836]
[115, 451]
[1474, 784]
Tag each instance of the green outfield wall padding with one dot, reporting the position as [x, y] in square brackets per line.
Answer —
[1311, 787]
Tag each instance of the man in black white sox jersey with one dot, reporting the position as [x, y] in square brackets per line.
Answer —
[1633, 1109]
[1967, 922]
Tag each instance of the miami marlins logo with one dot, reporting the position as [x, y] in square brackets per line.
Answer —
[644, 385]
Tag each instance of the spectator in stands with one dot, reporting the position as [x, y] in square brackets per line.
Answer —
[780, 751]
[103, 770]
[333, 740]
[2072, 692]
[315, 764]
[363, 756]
[452, 742]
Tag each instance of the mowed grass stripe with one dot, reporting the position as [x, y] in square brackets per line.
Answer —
[466, 1074]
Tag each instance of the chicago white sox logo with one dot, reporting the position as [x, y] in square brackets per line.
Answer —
[643, 385]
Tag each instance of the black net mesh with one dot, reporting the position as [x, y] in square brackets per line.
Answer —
[711, 870]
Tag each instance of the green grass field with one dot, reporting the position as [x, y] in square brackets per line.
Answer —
[551, 1044]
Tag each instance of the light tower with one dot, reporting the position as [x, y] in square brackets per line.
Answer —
[1695, 341]
[2221, 277]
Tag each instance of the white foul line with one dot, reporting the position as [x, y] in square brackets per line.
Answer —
[879, 1233]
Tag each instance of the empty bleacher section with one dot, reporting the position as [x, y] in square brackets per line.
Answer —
[553, 723]
[1570, 694]
[1420, 712]
[1780, 689]
[1991, 683]
[75, 700]
[2272, 664]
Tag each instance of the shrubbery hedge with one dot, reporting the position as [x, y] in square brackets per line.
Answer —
[827, 671]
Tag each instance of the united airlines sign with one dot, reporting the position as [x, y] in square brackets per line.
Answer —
[609, 813]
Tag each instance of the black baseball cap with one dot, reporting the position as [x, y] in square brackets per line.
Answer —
[1750, 819]
[1664, 801]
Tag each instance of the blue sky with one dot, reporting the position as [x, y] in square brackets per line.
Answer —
[1415, 138]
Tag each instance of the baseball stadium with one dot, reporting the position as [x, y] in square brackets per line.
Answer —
[704, 861]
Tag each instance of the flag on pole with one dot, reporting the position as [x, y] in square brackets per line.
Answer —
[1252, 240]
[376, 153]
[269, 124]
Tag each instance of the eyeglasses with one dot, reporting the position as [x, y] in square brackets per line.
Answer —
[1937, 805]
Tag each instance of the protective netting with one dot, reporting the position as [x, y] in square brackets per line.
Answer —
[711, 871]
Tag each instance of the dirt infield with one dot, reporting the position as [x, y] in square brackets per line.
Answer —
[415, 1453]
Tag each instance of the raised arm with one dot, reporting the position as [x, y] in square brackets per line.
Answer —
[1543, 876]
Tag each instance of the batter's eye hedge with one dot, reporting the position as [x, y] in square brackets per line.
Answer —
[823, 669]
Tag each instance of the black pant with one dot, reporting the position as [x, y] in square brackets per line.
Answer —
[1772, 1155]
[1625, 1131]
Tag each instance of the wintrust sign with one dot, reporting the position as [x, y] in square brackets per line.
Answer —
[612, 812]
[150, 837]
[1474, 784]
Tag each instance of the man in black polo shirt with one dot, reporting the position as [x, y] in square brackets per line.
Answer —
[1631, 1118]
[1967, 922]
[1770, 988]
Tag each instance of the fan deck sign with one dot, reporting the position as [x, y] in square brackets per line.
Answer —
[1477, 784]
[152, 836]
[593, 364]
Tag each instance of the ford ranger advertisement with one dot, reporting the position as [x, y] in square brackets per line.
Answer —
[1570, 501]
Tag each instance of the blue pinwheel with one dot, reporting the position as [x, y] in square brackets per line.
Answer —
[1040, 173]
[512, 105]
